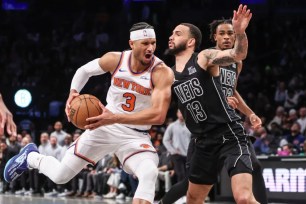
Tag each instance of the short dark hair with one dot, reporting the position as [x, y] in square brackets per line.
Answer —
[140, 26]
[214, 24]
[195, 33]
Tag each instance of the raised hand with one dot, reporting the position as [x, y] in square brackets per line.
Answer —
[241, 19]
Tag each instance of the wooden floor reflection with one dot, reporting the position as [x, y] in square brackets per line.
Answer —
[13, 199]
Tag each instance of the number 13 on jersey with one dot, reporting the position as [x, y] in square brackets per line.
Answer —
[196, 111]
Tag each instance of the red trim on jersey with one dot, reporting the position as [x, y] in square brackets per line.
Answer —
[151, 75]
[81, 156]
[126, 158]
[143, 71]
[119, 64]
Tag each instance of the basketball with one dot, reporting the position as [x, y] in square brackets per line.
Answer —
[82, 107]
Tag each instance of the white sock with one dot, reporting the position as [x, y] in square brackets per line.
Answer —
[34, 159]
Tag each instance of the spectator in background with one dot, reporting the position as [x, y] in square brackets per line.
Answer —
[67, 143]
[114, 178]
[275, 130]
[176, 140]
[302, 119]
[292, 116]
[13, 144]
[263, 141]
[102, 176]
[295, 138]
[286, 149]
[19, 139]
[64, 188]
[278, 118]
[303, 149]
[292, 99]
[54, 150]
[40, 179]
[280, 94]
[26, 179]
[6, 154]
[44, 143]
[165, 173]
[59, 133]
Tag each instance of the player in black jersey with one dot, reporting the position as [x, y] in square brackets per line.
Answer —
[220, 137]
[222, 32]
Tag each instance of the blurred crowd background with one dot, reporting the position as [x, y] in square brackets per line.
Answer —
[42, 46]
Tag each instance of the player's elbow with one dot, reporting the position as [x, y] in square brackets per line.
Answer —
[240, 56]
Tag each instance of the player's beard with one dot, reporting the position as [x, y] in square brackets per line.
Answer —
[177, 49]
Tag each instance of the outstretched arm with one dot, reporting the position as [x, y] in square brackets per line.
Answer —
[247, 111]
[154, 115]
[243, 107]
[211, 57]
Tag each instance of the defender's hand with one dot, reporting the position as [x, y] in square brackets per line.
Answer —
[241, 19]
[232, 101]
[255, 121]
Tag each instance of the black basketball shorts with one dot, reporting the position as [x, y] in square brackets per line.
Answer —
[225, 146]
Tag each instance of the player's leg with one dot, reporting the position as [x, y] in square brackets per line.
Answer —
[88, 149]
[203, 168]
[197, 193]
[242, 186]
[259, 187]
[58, 172]
[144, 166]
[237, 161]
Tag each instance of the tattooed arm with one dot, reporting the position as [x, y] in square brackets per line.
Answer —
[211, 57]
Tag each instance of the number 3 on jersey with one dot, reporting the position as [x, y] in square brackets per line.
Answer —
[129, 103]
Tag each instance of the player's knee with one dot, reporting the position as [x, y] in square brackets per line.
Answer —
[243, 197]
[61, 179]
[63, 175]
[151, 172]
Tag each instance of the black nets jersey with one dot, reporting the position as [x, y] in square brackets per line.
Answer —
[200, 98]
[228, 77]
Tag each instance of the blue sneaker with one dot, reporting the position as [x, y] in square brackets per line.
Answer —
[18, 164]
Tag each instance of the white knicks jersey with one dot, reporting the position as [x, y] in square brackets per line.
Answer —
[130, 92]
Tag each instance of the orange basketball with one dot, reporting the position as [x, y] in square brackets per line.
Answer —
[82, 107]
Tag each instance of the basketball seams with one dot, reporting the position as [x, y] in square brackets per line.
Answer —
[76, 113]
[84, 106]
[97, 107]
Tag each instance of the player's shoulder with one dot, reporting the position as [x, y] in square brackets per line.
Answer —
[112, 55]
[110, 60]
[162, 67]
[163, 72]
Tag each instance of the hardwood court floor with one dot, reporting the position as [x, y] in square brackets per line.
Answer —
[14, 199]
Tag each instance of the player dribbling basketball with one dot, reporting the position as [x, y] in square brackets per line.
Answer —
[139, 96]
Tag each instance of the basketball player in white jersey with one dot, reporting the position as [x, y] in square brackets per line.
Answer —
[139, 96]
